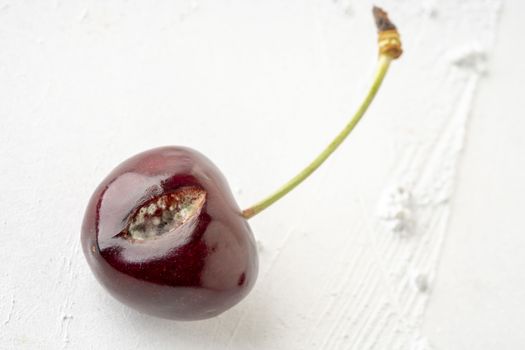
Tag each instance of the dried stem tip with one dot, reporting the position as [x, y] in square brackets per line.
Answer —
[389, 40]
[383, 23]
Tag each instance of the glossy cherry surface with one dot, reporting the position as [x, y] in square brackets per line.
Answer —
[163, 234]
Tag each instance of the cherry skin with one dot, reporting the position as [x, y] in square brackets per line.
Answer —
[164, 235]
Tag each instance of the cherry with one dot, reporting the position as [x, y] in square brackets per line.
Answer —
[163, 233]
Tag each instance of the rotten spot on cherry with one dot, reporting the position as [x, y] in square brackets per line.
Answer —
[165, 213]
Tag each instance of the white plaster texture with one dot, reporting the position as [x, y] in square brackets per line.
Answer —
[409, 237]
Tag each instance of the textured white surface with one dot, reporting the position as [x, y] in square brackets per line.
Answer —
[399, 219]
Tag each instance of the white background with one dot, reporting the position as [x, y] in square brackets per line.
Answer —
[260, 88]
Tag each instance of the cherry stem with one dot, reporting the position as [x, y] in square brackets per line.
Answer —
[389, 48]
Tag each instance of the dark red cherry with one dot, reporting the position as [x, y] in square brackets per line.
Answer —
[163, 234]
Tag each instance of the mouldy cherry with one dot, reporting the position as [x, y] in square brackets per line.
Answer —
[163, 233]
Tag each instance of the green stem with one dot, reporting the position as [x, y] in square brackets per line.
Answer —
[382, 68]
